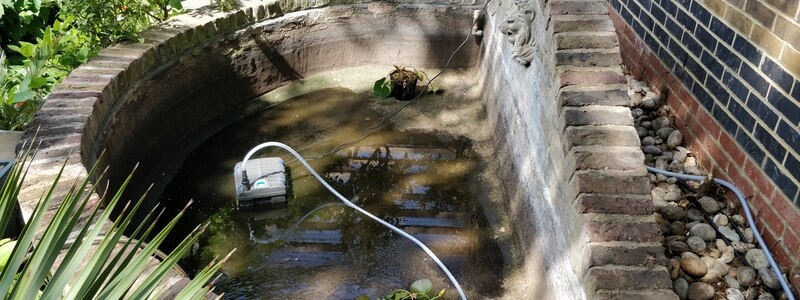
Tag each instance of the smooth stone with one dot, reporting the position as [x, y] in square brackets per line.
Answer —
[687, 254]
[734, 294]
[652, 150]
[746, 276]
[694, 267]
[681, 287]
[721, 220]
[704, 231]
[681, 154]
[661, 122]
[738, 220]
[727, 254]
[647, 124]
[766, 296]
[748, 235]
[731, 282]
[658, 193]
[667, 155]
[690, 162]
[700, 291]
[672, 213]
[673, 267]
[713, 252]
[678, 246]
[636, 112]
[769, 279]
[756, 258]
[672, 180]
[751, 293]
[672, 196]
[692, 170]
[716, 271]
[677, 228]
[663, 133]
[641, 131]
[673, 193]
[709, 205]
[728, 233]
[675, 139]
[719, 244]
[648, 141]
[650, 100]
[742, 247]
[694, 214]
[661, 163]
[675, 166]
[696, 244]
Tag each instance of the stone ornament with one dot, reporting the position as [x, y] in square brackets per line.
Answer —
[517, 28]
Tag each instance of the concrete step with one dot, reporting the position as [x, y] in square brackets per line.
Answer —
[609, 94]
[589, 57]
[578, 7]
[586, 40]
[596, 23]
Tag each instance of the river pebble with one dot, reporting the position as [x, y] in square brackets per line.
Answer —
[769, 279]
[704, 231]
[700, 262]
[756, 258]
[681, 287]
[709, 205]
[734, 294]
[728, 233]
[675, 139]
[694, 266]
[700, 291]
[694, 214]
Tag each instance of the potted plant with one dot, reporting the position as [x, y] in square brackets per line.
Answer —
[401, 84]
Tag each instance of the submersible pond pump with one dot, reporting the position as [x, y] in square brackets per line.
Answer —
[260, 184]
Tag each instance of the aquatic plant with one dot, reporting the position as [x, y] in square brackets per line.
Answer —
[419, 290]
[400, 83]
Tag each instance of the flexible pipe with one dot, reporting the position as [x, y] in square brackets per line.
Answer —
[357, 208]
[748, 214]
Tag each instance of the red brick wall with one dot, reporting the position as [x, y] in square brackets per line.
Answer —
[776, 216]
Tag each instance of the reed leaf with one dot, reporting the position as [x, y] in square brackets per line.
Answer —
[94, 266]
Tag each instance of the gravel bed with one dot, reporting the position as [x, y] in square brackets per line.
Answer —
[710, 248]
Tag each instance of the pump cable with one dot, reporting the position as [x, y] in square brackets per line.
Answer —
[357, 208]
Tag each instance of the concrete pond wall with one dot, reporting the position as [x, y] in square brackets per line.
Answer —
[575, 192]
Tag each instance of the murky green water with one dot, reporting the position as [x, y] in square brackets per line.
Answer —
[422, 182]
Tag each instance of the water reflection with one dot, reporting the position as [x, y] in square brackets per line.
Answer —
[313, 247]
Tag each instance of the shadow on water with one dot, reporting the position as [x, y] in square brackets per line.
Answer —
[313, 249]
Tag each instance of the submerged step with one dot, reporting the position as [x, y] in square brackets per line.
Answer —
[399, 152]
[304, 257]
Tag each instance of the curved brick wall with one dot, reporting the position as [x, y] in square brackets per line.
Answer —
[574, 185]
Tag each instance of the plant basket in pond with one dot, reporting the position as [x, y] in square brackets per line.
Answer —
[400, 84]
[404, 83]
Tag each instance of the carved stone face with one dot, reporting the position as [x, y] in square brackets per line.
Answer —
[511, 28]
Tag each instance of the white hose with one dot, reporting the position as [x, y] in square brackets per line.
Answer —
[749, 215]
[359, 209]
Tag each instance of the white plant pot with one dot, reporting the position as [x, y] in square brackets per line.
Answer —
[8, 144]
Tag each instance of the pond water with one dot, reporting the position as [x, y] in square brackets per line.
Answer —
[315, 248]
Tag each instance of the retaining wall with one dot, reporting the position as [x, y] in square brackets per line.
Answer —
[575, 188]
[731, 71]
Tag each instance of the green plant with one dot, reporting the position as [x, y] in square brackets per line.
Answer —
[18, 91]
[400, 76]
[419, 290]
[116, 268]
[107, 22]
[24, 20]
[226, 5]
